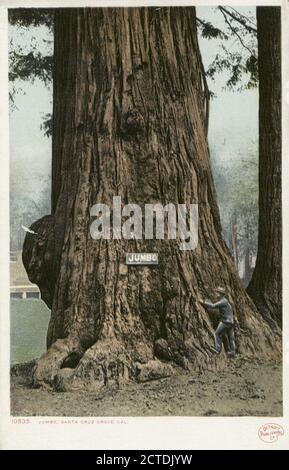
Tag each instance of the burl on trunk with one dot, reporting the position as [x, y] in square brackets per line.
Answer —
[130, 119]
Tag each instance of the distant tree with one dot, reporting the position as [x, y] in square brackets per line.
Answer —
[238, 54]
[237, 187]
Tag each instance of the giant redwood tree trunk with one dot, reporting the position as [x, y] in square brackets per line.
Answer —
[265, 287]
[130, 118]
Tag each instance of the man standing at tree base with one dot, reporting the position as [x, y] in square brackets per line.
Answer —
[226, 325]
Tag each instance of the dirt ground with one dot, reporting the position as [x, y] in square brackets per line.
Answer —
[243, 388]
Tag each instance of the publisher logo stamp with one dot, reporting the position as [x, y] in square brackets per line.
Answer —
[270, 432]
[141, 258]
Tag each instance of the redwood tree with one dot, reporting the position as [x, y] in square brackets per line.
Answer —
[130, 119]
[265, 287]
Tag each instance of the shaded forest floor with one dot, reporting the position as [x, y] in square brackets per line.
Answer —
[243, 388]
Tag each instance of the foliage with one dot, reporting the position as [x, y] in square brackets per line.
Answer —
[46, 125]
[27, 17]
[34, 61]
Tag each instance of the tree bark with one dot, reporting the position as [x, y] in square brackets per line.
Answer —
[130, 119]
[265, 287]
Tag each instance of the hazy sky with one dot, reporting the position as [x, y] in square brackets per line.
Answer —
[233, 115]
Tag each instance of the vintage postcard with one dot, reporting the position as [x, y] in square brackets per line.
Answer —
[143, 236]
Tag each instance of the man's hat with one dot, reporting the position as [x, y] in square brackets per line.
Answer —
[221, 290]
